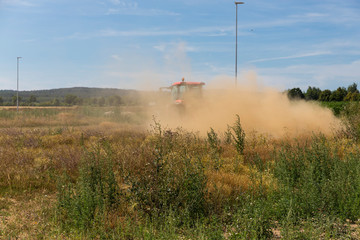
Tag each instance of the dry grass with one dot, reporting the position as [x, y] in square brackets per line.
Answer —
[69, 116]
[38, 147]
[26, 216]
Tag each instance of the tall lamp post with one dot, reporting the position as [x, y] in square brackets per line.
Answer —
[236, 41]
[17, 85]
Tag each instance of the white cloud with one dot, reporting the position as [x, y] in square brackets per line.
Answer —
[116, 57]
[29, 40]
[311, 54]
[7, 83]
[328, 14]
[125, 4]
[160, 47]
[163, 47]
[332, 75]
[202, 31]
[216, 69]
[23, 3]
[140, 12]
[144, 70]
[116, 2]
[132, 8]
[346, 71]
[341, 46]
[310, 16]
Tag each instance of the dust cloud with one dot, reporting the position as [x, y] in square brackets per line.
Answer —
[261, 109]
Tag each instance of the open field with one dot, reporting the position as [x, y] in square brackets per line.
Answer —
[70, 116]
[104, 173]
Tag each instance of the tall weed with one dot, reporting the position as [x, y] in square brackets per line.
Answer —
[215, 148]
[252, 220]
[89, 200]
[352, 120]
[315, 179]
[238, 135]
[171, 177]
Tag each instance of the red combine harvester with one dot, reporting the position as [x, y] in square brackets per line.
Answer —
[184, 94]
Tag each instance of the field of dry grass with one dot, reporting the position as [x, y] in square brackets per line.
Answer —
[98, 173]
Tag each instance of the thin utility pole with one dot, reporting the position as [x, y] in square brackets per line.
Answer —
[17, 86]
[236, 41]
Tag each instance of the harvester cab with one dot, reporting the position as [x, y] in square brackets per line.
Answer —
[185, 92]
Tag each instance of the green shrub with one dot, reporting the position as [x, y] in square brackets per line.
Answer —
[168, 189]
[352, 120]
[314, 179]
[228, 135]
[252, 220]
[215, 148]
[238, 135]
[86, 203]
[171, 177]
[336, 107]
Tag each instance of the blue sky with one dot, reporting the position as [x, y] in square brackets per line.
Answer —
[147, 44]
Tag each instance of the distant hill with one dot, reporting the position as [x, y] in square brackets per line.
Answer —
[60, 94]
[82, 92]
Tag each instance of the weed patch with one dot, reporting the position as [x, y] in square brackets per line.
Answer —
[110, 182]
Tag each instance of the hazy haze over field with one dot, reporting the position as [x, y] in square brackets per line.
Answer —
[261, 109]
[147, 44]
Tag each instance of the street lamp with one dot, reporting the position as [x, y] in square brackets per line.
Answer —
[236, 41]
[17, 85]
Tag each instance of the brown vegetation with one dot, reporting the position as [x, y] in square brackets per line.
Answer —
[48, 161]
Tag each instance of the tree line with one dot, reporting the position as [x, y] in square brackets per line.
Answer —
[68, 100]
[351, 93]
[70, 96]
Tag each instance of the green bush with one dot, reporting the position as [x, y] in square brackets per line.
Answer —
[352, 120]
[164, 185]
[315, 180]
[336, 107]
[86, 203]
[215, 148]
[252, 220]
[172, 177]
[238, 135]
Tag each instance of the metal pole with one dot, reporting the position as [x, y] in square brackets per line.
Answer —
[236, 41]
[17, 86]
[236, 45]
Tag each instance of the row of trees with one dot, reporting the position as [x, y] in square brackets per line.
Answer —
[351, 93]
[114, 100]
[68, 100]
[32, 100]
